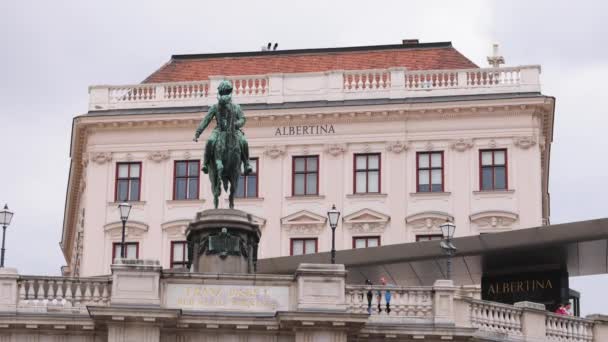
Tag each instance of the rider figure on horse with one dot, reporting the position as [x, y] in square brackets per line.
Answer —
[221, 111]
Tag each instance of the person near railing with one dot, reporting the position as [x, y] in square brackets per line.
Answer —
[387, 296]
[564, 309]
[369, 295]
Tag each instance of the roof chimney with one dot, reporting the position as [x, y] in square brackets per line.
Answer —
[410, 41]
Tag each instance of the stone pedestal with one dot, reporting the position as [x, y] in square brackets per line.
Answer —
[223, 241]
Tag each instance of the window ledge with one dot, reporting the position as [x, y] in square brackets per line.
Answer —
[186, 201]
[493, 192]
[133, 203]
[305, 197]
[431, 194]
[247, 199]
[366, 195]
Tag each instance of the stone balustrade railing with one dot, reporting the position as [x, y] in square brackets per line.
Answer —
[568, 329]
[335, 85]
[496, 317]
[390, 300]
[58, 293]
[136, 286]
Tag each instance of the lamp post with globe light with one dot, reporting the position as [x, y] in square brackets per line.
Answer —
[447, 230]
[125, 209]
[5, 220]
[333, 215]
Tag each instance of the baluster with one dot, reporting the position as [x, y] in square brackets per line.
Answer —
[96, 294]
[50, 292]
[37, 290]
[105, 296]
[87, 292]
[22, 293]
[29, 294]
[367, 83]
[59, 292]
[68, 293]
[248, 87]
[78, 294]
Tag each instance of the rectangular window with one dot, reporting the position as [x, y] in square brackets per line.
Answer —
[429, 237]
[366, 241]
[493, 169]
[303, 246]
[128, 182]
[367, 173]
[179, 254]
[131, 250]
[305, 179]
[248, 185]
[186, 179]
[430, 171]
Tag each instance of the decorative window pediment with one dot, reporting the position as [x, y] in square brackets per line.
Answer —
[176, 229]
[430, 220]
[366, 221]
[494, 219]
[133, 229]
[303, 222]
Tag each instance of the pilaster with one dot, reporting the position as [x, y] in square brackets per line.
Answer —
[321, 287]
[136, 282]
[533, 319]
[443, 302]
[8, 289]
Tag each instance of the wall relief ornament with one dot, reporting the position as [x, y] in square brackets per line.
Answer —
[158, 156]
[430, 220]
[429, 146]
[462, 145]
[274, 151]
[303, 222]
[524, 142]
[335, 149]
[366, 221]
[492, 143]
[134, 229]
[494, 219]
[176, 229]
[396, 146]
[101, 157]
[187, 155]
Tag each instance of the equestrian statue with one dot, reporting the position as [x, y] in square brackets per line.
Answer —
[227, 146]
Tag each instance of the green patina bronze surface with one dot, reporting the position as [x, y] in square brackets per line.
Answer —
[227, 146]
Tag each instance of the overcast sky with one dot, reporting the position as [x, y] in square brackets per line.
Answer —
[51, 51]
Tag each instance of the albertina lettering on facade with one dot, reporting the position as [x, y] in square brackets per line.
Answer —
[305, 130]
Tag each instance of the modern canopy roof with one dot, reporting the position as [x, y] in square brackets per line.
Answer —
[581, 246]
[413, 56]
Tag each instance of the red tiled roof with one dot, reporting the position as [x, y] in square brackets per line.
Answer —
[413, 57]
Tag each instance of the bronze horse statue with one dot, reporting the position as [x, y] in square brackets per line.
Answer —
[226, 147]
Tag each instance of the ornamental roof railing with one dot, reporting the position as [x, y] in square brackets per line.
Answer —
[335, 85]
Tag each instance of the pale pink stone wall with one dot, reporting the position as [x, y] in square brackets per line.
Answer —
[158, 219]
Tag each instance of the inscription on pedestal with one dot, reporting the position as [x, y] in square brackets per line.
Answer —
[227, 297]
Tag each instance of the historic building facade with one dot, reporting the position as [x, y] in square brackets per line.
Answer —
[400, 138]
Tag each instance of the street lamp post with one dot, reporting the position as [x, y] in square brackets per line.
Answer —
[333, 215]
[5, 219]
[125, 209]
[447, 230]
